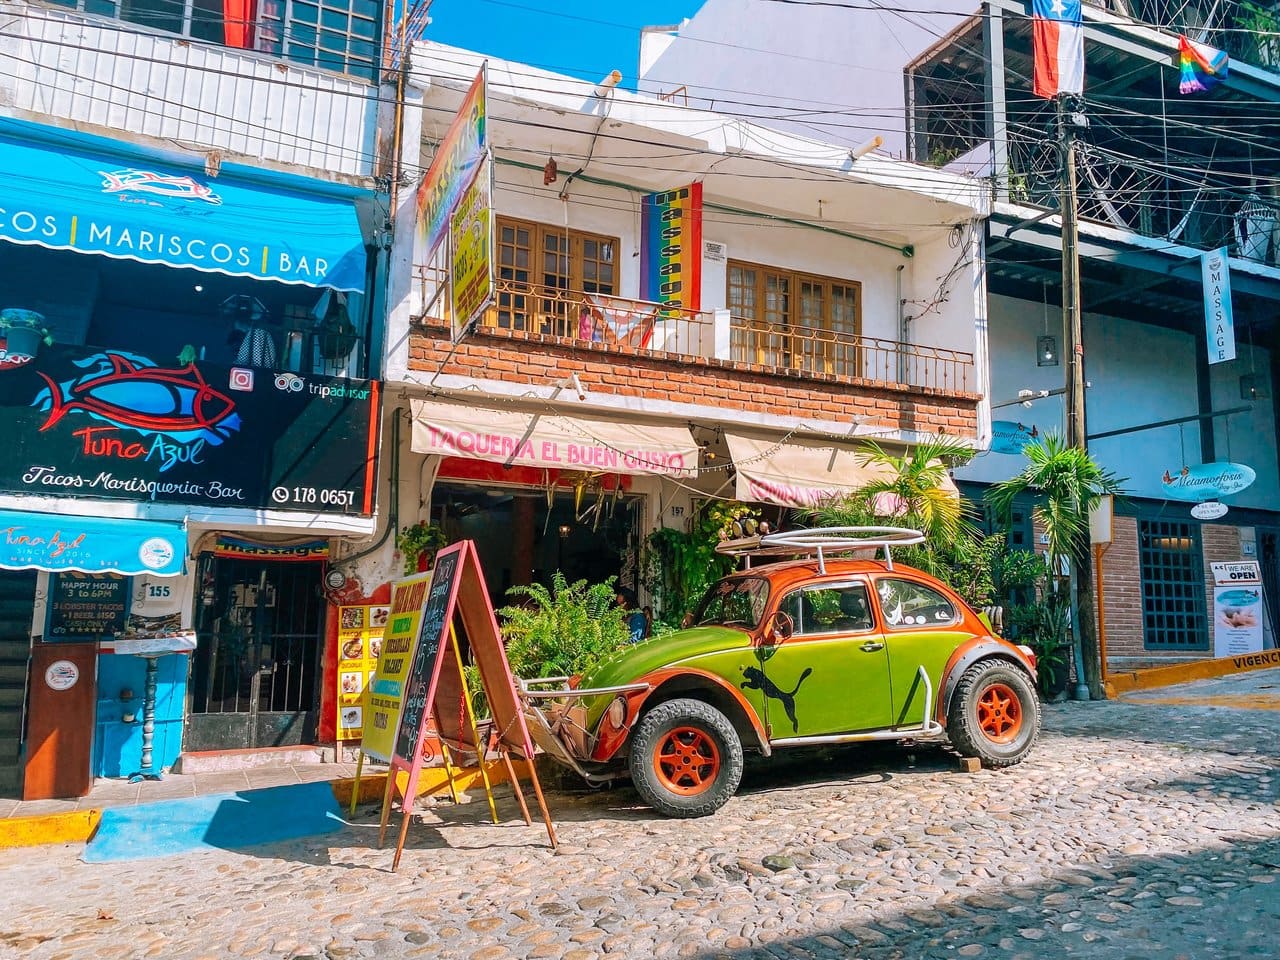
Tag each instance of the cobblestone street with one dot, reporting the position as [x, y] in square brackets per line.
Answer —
[1135, 830]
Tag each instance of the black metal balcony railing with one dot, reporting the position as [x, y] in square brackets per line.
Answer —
[1140, 196]
[815, 351]
[620, 324]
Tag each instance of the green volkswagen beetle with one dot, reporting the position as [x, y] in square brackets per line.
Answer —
[805, 652]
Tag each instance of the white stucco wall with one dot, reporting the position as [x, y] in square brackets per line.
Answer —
[761, 60]
[1139, 374]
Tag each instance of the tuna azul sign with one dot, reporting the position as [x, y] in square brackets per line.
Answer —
[115, 424]
[1208, 481]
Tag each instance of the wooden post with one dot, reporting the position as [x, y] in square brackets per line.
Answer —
[471, 720]
[355, 787]
[515, 784]
[386, 806]
[1098, 551]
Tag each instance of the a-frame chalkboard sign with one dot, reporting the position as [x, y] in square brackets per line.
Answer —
[436, 695]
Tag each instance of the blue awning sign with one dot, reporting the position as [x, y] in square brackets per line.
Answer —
[48, 541]
[68, 195]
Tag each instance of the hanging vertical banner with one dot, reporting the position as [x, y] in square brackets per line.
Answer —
[1219, 322]
[1237, 608]
[471, 247]
[457, 158]
[671, 248]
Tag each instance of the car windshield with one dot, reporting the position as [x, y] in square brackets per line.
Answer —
[735, 602]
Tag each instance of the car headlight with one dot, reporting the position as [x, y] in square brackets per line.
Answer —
[617, 712]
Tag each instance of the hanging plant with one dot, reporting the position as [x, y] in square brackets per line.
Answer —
[419, 543]
[23, 331]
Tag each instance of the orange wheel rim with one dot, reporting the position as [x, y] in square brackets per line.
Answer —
[1000, 713]
[687, 761]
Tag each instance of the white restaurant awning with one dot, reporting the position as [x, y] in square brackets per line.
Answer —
[548, 440]
[800, 474]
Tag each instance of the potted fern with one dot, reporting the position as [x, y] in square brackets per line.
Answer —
[419, 543]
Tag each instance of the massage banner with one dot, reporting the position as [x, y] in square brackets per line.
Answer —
[386, 692]
[1219, 321]
[671, 248]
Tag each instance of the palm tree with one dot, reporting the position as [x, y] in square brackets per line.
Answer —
[1069, 484]
[909, 492]
[912, 485]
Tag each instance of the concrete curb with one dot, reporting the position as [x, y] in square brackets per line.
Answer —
[1118, 683]
[78, 826]
[50, 828]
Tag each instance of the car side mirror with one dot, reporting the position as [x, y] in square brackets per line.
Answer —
[686, 621]
[782, 626]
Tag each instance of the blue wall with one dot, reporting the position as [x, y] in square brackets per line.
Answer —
[117, 749]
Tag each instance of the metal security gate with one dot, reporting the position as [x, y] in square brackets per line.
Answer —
[255, 680]
[1269, 562]
[17, 598]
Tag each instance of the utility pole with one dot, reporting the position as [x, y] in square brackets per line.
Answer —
[1088, 672]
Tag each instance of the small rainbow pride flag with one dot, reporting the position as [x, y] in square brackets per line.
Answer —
[1202, 66]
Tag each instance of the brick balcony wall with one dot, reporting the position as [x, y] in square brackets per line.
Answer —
[542, 361]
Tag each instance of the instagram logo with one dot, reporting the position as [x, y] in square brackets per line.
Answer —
[241, 378]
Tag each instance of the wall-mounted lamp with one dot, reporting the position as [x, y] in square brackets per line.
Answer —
[1047, 351]
[565, 530]
[1254, 387]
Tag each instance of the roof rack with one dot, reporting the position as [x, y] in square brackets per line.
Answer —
[822, 541]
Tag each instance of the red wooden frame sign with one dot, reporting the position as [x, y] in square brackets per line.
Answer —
[435, 690]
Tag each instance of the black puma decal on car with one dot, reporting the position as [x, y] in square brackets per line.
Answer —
[756, 680]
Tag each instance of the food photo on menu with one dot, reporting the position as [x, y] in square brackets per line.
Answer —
[351, 683]
[352, 618]
[378, 616]
[353, 649]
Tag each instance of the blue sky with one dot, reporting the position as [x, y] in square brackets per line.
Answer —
[583, 38]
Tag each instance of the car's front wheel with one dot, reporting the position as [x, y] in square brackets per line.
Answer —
[686, 758]
[995, 714]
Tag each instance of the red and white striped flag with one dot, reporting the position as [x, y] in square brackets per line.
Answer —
[1058, 36]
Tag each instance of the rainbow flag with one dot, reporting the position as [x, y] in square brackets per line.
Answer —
[1201, 65]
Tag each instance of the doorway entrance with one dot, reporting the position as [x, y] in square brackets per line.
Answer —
[255, 678]
[17, 599]
[522, 538]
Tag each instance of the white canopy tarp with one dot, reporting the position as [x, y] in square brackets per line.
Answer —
[557, 442]
[795, 474]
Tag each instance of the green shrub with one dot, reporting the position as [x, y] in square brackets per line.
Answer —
[564, 630]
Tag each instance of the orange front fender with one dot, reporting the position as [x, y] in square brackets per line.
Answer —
[609, 739]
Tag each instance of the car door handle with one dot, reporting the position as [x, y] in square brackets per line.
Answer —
[871, 646]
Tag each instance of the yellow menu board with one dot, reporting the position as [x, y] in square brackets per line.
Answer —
[386, 692]
[359, 643]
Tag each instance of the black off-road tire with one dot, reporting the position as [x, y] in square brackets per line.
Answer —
[979, 725]
[705, 758]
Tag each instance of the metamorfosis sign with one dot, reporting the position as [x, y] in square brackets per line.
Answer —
[113, 424]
